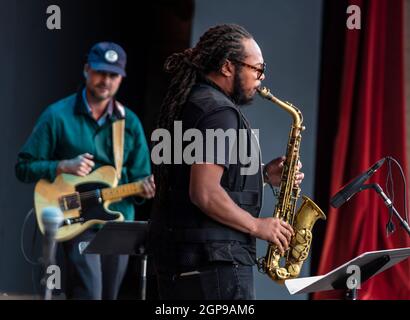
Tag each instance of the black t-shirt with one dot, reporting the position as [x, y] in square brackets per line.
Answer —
[207, 110]
[227, 121]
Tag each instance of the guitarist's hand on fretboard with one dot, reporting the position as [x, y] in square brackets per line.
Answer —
[81, 165]
[149, 187]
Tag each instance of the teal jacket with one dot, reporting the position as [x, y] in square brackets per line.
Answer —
[66, 130]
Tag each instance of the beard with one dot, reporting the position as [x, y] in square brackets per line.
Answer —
[101, 96]
[239, 94]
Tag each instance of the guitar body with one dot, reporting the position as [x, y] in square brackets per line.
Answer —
[80, 213]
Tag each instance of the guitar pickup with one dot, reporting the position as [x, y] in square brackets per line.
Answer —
[70, 202]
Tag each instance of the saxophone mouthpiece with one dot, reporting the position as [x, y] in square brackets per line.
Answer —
[264, 92]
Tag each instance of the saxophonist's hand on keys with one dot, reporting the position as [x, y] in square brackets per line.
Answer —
[273, 172]
[274, 230]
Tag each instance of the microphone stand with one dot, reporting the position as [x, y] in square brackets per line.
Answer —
[49, 252]
[52, 218]
[388, 203]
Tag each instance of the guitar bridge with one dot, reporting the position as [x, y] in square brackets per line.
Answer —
[70, 202]
[70, 221]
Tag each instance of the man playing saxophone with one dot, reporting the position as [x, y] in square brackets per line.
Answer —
[205, 218]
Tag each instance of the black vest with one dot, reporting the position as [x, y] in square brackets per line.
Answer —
[182, 227]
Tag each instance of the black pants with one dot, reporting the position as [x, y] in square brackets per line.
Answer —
[218, 281]
[92, 276]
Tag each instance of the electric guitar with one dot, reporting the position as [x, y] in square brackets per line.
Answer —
[84, 201]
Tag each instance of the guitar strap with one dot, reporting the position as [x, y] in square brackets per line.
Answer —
[118, 128]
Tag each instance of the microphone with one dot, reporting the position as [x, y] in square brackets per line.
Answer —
[52, 218]
[353, 187]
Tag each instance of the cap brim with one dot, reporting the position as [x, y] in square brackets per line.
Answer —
[98, 66]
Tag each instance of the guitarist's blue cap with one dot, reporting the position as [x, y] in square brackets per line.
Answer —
[108, 57]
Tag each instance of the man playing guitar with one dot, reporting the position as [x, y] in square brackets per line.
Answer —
[75, 136]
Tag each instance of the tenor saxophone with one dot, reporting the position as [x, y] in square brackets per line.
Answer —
[303, 219]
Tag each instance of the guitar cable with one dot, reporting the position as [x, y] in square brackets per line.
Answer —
[390, 192]
[34, 264]
[26, 257]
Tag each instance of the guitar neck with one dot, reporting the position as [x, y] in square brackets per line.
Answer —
[123, 191]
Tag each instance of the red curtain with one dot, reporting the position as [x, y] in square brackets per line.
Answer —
[366, 91]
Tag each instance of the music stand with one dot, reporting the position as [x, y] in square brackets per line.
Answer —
[369, 264]
[127, 238]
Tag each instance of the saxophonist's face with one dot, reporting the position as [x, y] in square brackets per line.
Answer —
[248, 73]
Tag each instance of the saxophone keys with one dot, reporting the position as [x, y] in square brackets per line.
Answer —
[297, 251]
[303, 236]
[294, 270]
[300, 236]
[282, 273]
[300, 252]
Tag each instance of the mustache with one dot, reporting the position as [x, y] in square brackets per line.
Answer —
[102, 86]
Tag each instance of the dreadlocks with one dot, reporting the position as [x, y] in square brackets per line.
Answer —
[218, 44]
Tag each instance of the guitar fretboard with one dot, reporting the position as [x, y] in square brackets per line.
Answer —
[126, 190]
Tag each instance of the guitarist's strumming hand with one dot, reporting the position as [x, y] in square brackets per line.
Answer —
[149, 187]
[81, 165]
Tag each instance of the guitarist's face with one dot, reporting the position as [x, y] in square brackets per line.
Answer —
[102, 85]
